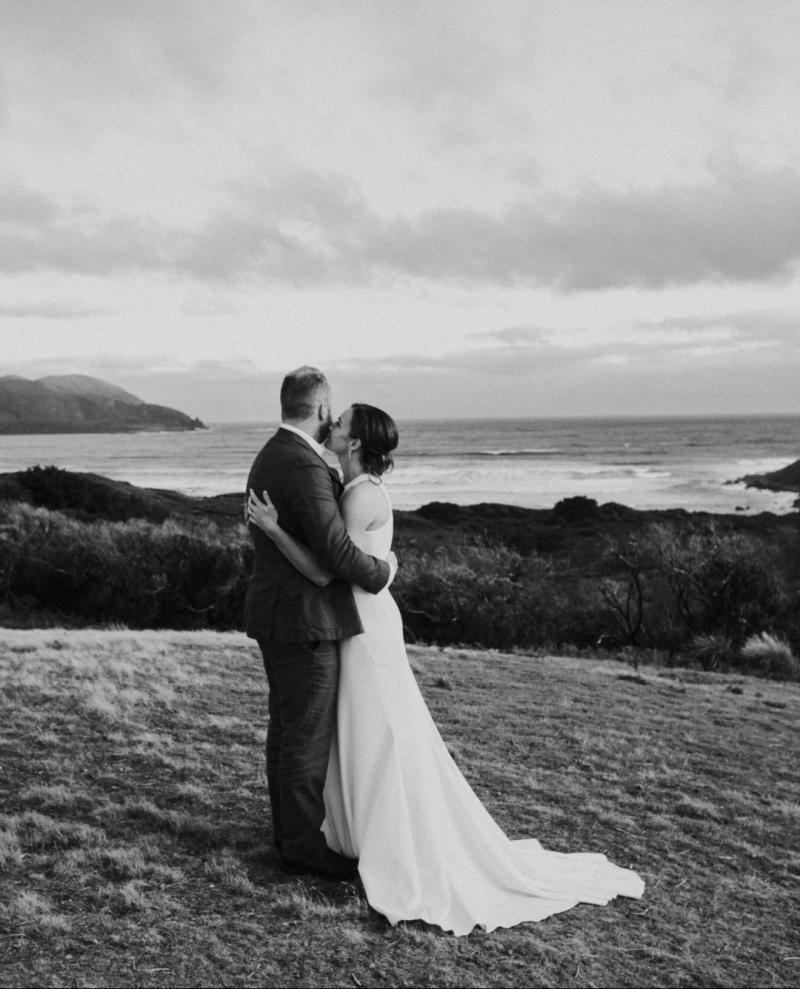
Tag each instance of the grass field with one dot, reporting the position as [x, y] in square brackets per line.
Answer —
[134, 842]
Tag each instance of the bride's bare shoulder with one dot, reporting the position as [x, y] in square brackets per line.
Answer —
[365, 505]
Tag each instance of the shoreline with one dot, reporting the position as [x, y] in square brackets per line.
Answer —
[17, 486]
[573, 527]
[696, 466]
[780, 500]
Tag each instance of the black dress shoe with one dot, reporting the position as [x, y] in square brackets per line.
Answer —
[339, 868]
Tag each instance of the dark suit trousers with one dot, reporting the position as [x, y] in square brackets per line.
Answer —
[303, 680]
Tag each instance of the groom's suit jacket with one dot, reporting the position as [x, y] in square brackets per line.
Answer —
[281, 604]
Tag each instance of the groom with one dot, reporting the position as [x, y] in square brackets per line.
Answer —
[297, 624]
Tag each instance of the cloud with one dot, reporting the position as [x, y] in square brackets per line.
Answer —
[105, 247]
[764, 324]
[18, 205]
[741, 226]
[759, 335]
[513, 335]
[36, 233]
[510, 361]
[145, 364]
[130, 48]
[665, 367]
[754, 60]
[39, 311]
[522, 352]
[441, 54]
[300, 228]
[688, 370]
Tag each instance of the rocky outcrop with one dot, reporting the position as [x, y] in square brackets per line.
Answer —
[785, 479]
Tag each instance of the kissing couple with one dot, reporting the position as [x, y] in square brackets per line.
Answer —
[360, 781]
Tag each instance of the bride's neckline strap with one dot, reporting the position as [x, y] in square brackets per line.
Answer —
[362, 477]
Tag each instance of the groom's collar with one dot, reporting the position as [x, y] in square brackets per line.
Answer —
[316, 447]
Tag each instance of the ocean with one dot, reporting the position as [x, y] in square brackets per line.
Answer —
[674, 462]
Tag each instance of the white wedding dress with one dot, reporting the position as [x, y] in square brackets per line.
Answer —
[396, 801]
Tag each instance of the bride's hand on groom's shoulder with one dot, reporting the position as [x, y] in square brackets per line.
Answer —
[262, 513]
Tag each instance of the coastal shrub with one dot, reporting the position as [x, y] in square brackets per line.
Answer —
[712, 651]
[577, 509]
[678, 588]
[639, 602]
[469, 595]
[625, 602]
[725, 583]
[137, 573]
[440, 511]
[690, 592]
[191, 575]
[492, 596]
[88, 496]
[768, 655]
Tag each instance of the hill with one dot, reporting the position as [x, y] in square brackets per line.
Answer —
[77, 403]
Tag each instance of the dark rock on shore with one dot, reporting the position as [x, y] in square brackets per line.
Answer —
[80, 404]
[785, 479]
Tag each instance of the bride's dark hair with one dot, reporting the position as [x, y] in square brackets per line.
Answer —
[378, 434]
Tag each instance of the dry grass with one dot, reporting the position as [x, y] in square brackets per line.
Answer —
[133, 832]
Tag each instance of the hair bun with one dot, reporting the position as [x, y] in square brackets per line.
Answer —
[378, 434]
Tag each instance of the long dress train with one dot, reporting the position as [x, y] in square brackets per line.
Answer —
[394, 798]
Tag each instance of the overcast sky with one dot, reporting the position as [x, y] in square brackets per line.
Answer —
[453, 207]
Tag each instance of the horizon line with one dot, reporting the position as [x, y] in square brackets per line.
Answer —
[552, 418]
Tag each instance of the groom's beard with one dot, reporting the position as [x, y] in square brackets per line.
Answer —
[325, 431]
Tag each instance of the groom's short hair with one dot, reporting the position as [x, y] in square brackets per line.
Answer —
[300, 392]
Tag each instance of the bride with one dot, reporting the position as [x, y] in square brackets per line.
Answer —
[427, 848]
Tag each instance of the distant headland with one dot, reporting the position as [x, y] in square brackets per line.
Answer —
[76, 403]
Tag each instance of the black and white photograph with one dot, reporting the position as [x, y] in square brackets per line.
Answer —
[399, 493]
